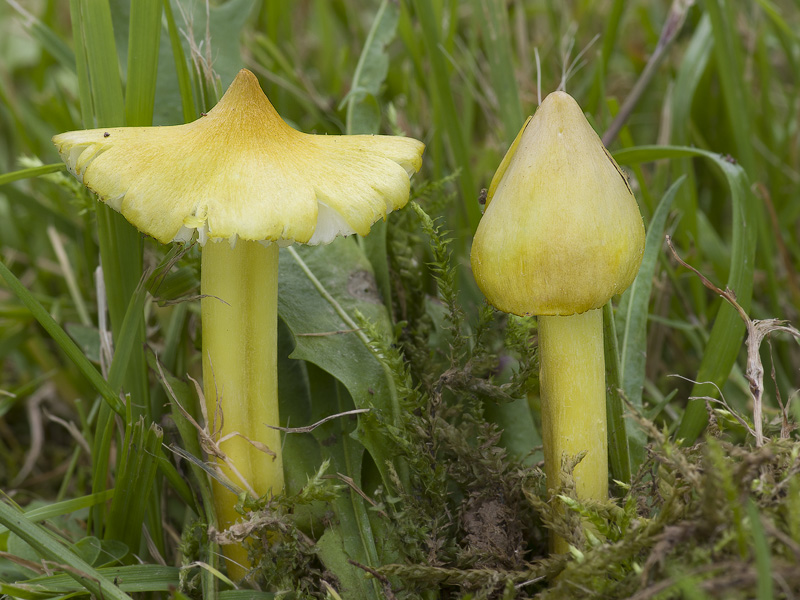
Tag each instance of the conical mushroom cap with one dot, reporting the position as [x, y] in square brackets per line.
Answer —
[241, 171]
[562, 232]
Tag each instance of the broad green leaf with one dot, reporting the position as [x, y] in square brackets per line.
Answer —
[351, 537]
[301, 453]
[321, 289]
[88, 548]
[333, 553]
[520, 436]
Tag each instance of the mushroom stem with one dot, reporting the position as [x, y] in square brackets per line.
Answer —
[240, 322]
[573, 392]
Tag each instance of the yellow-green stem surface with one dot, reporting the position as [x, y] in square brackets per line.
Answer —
[573, 392]
[240, 322]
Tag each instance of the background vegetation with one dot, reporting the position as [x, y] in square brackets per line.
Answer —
[436, 491]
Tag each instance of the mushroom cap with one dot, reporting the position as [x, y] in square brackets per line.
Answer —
[562, 232]
[241, 172]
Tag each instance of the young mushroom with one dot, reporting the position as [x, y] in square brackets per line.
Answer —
[247, 183]
[561, 235]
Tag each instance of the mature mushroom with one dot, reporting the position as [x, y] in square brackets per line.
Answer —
[561, 235]
[247, 183]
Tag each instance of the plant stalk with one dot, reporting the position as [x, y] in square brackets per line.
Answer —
[240, 324]
[573, 392]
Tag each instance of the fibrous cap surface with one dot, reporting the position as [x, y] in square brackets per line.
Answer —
[562, 232]
[241, 172]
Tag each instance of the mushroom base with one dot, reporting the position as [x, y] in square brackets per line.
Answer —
[240, 321]
[573, 395]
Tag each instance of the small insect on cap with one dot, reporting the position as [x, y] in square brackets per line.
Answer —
[241, 171]
[562, 232]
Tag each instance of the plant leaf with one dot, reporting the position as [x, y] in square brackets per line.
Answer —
[636, 301]
[321, 288]
[726, 335]
[363, 111]
[55, 551]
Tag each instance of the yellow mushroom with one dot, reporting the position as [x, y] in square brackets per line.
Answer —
[561, 235]
[247, 183]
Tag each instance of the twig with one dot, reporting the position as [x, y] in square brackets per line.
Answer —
[387, 587]
[327, 333]
[310, 428]
[757, 330]
[673, 24]
[350, 482]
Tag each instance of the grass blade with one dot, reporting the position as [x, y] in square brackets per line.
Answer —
[144, 35]
[492, 15]
[101, 57]
[31, 172]
[618, 443]
[64, 507]
[363, 116]
[728, 330]
[764, 589]
[445, 107]
[363, 111]
[132, 578]
[128, 336]
[610, 39]
[120, 242]
[46, 37]
[65, 342]
[181, 66]
[134, 482]
[636, 302]
[730, 67]
[60, 557]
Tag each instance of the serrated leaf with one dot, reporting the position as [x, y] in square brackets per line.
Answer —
[321, 289]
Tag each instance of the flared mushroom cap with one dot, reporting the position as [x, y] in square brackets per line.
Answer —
[241, 172]
[561, 233]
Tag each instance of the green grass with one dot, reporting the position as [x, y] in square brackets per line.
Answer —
[449, 451]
